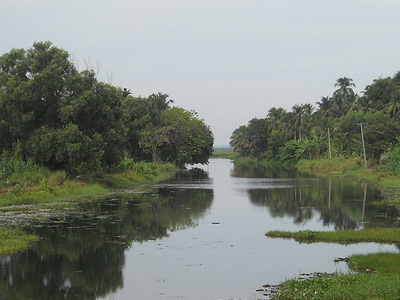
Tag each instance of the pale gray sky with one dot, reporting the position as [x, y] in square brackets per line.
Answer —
[229, 60]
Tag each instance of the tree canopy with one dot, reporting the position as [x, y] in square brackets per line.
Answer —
[306, 132]
[68, 119]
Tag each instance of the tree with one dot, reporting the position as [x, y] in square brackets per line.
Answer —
[347, 136]
[240, 141]
[297, 121]
[325, 106]
[393, 107]
[43, 97]
[141, 114]
[191, 140]
[153, 140]
[380, 133]
[344, 96]
[378, 94]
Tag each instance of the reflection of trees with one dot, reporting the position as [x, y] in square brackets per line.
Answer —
[343, 203]
[246, 170]
[82, 256]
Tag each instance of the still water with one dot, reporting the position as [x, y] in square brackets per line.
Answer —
[199, 236]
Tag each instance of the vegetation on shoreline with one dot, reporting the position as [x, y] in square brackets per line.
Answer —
[56, 187]
[12, 240]
[55, 117]
[227, 153]
[377, 274]
[378, 235]
[352, 167]
[342, 287]
[342, 126]
[65, 135]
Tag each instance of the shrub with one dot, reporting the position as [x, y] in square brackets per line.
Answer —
[57, 178]
[393, 159]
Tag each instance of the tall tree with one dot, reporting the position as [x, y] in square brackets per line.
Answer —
[344, 96]
[297, 120]
[393, 107]
[325, 106]
[240, 141]
[190, 139]
[45, 101]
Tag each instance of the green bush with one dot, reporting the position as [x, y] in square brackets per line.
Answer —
[57, 178]
[392, 160]
[17, 171]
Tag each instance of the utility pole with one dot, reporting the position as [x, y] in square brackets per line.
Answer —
[363, 144]
[329, 144]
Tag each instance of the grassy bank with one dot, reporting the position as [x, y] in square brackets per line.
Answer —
[56, 187]
[354, 167]
[224, 152]
[377, 277]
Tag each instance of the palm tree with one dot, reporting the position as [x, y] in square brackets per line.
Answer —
[308, 118]
[240, 141]
[344, 95]
[325, 106]
[393, 107]
[297, 120]
[275, 119]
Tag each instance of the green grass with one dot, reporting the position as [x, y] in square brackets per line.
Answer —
[71, 190]
[342, 287]
[378, 277]
[229, 154]
[14, 240]
[383, 262]
[334, 166]
[56, 187]
[379, 235]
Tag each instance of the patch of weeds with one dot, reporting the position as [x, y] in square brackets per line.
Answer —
[44, 186]
[14, 240]
[343, 287]
[57, 178]
[307, 235]
[18, 189]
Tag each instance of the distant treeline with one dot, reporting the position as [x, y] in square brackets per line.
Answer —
[343, 124]
[64, 119]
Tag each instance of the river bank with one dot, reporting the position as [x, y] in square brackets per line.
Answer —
[373, 276]
[57, 193]
[353, 167]
[376, 275]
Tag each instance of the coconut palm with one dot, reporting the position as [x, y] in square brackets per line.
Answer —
[344, 95]
[275, 119]
[297, 120]
[325, 106]
[240, 141]
[393, 107]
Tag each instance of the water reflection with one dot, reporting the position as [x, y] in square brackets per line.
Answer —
[82, 256]
[341, 203]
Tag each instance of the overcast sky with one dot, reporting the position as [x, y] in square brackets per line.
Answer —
[229, 60]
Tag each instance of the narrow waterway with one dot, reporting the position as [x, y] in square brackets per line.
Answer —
[198, 236]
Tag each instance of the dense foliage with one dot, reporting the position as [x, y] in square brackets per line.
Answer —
[339, 125]
[65, 119]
